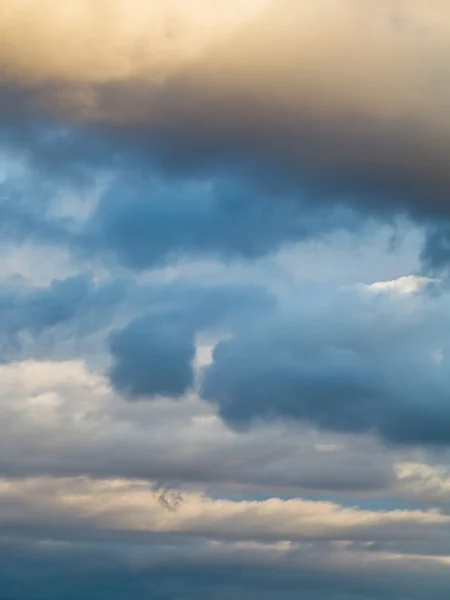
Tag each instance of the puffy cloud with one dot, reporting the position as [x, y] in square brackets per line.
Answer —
[354, 359]
[153, 358]
[349, 360]
[352, 362]
[154, 354]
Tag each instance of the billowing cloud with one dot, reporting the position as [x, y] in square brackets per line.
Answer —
[359, 361]
[341, 95]
[154, 354]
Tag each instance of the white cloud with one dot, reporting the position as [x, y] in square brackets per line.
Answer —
[121, 505]
[403, 285]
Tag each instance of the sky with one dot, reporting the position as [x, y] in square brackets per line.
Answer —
[224, 299]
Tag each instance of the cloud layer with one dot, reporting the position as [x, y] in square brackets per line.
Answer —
[325, 90]
[224, 322]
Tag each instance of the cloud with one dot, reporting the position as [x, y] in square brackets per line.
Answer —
[120, 506]
[344, 97]
[421, 481]
[292, 111]
[86, 515]
[234, 383]
[62, 419]
[135, 37]
[145, 220]
[153, 358]
[357, 359]
[351, 362]
[157, 220]
[154, 354]
[36, 320]
[404, 285]
[202, 570]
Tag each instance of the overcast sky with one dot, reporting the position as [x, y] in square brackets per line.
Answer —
[224, 299]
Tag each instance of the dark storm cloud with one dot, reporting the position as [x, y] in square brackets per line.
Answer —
[330, 97]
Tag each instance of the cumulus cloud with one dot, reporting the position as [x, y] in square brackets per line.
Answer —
[354, 362]
[154, 354]
[356, 359]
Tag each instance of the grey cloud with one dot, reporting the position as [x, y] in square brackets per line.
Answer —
[283, 110]
[436, 253]
[154, 221]
[96, 571]
[33, 320]
[147, 218]
[152, 358]
[357, 363]
[270, 377]
[154, 354]
[183, 443]
[353, 360]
